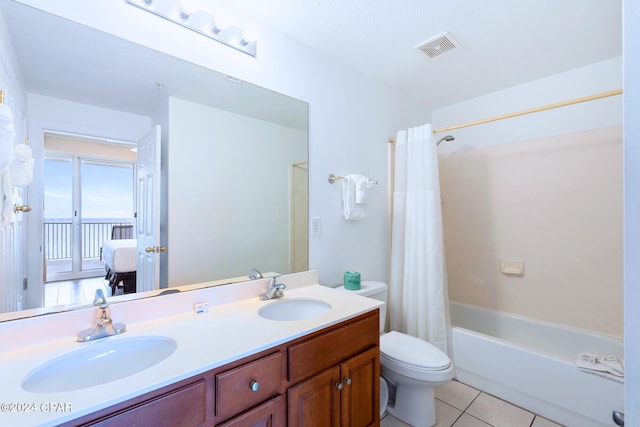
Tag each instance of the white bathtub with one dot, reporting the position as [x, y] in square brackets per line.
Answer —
[532, 364]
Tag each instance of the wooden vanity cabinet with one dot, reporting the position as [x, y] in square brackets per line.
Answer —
[344, 389]
[327, 378]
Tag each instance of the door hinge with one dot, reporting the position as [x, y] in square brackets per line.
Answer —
[24, 284]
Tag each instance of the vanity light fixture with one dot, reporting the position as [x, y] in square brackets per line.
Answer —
[213, 26]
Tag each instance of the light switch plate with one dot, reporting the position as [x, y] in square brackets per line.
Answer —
[316, 226]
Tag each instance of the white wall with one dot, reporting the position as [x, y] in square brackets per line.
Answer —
[631, 47]
[351, 119]
[584, 81]
[228, 193]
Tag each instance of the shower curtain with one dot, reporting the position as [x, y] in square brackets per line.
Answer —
[418, 288]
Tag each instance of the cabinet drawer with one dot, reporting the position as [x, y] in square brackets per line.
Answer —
[183, 407]
[234, 391]
[329, 348]
[270, 414]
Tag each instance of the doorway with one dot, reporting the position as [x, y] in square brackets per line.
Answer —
[89, 191]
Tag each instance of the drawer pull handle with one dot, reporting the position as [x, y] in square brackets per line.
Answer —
[254, 385]
[347, 381]
[339, 386]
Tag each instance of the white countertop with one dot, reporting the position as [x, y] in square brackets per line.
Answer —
[226, 333]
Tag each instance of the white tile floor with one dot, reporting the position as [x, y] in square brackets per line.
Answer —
[459, 405]
[80, 291]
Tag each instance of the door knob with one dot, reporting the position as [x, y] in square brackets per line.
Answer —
[150, 249]
[21, 208]
[618, 418]
[156, 249]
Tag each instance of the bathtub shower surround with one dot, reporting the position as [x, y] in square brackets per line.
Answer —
[533, 365]
[418, 288]
[553, 203]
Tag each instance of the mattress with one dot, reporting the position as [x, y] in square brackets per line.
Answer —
[120, 255]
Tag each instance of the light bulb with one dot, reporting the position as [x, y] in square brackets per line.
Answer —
[189, 7]
[220, 22]
[184, 14]
[249, 34]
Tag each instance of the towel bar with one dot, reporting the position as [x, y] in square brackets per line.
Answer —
[333, 178]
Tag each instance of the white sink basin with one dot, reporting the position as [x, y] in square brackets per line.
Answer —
[98, 363]
[294, 309]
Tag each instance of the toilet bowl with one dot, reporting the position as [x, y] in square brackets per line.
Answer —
[410, 368]
[384, 397]
[413, 368]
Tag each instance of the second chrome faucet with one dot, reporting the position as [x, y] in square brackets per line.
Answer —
[275, 289]
[104, 325]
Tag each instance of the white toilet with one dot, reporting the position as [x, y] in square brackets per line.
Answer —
[410, 367]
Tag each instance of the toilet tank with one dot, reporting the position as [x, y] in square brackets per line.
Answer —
[375, 290]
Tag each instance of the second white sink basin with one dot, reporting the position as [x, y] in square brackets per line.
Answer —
[98, 363]
[294, 309]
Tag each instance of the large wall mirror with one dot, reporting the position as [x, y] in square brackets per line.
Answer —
[235, 156]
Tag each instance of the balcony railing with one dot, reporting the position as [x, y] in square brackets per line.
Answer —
[58, 237]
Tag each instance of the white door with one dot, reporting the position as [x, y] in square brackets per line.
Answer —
[148, 211]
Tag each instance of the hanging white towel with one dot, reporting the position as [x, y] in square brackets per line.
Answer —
[6, 198]
[351, 211]
[22, 166]
[362, 184]
[6, 136]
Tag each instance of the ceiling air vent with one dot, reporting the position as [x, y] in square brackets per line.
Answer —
[438, 45]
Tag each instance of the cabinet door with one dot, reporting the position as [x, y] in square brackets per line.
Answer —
[360, 400]
[316, 401]
[270, 414]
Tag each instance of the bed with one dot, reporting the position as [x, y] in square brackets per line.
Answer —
[120, 259]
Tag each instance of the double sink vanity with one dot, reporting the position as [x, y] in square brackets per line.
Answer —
[216, 356]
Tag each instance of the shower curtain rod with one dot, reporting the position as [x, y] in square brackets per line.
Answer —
[528, 111]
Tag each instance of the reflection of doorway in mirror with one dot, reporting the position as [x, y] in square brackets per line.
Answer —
[88, 191]
[299, 216]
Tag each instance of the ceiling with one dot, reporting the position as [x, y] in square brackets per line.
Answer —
[503, 43]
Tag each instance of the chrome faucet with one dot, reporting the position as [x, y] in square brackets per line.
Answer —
[255, 274]
[104, 325]
[275, 289]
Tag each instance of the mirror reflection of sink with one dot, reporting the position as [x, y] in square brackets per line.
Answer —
[98, 363]
[294, 309]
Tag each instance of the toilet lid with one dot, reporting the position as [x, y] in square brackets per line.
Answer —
[413, 351]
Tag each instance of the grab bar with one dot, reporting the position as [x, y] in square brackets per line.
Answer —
[618, 418]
